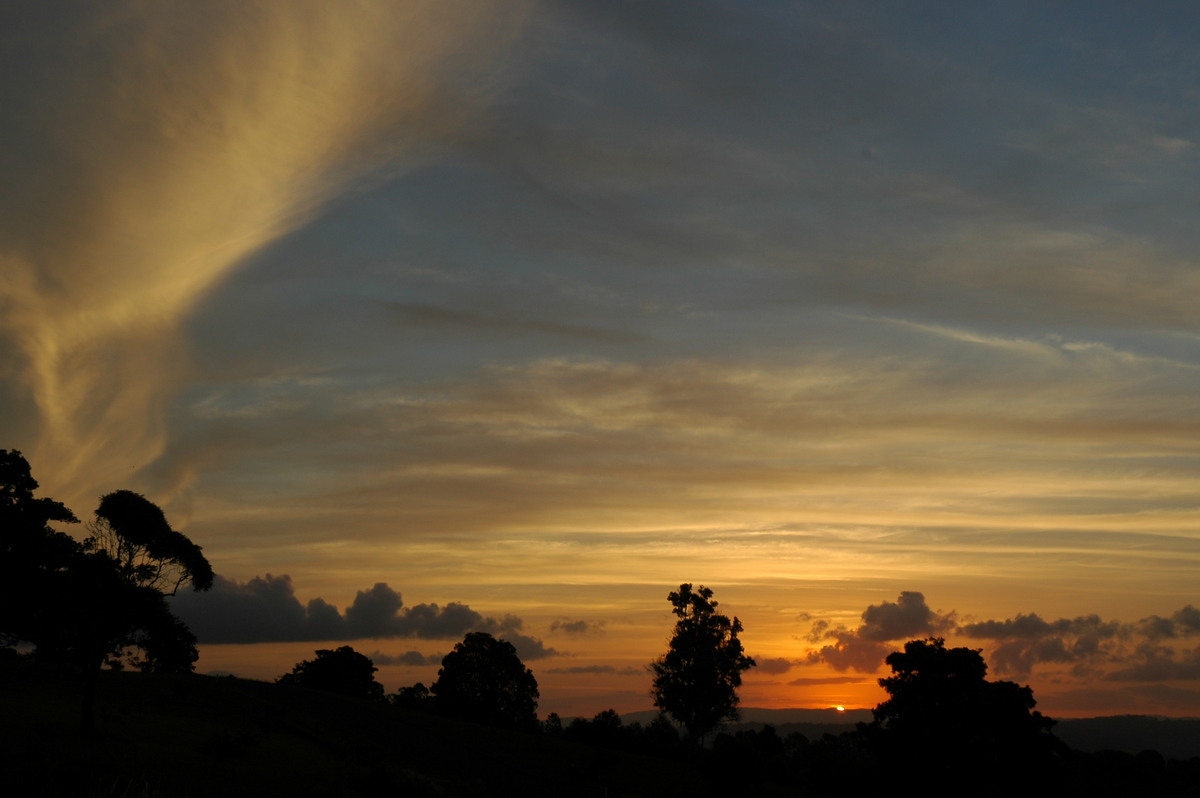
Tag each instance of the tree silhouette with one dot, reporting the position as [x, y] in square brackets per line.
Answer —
[416, 696]
[484, 680]
[35, 560]
[944, 715]
[342, 670]
[133, 532]
[696, 681]
[79, 604]
[131, 561]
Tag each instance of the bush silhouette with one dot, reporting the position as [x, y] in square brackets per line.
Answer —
[341, 670]
[945, 717]
[484, 680]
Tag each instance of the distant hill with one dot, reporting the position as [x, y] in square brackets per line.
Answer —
[198, 736]
[1174, 738]
[777, 717]
[812, 723]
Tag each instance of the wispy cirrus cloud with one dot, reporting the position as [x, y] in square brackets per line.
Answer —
[149, 151]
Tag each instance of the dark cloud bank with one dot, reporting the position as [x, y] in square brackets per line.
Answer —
[1141, 651]
[266, 610]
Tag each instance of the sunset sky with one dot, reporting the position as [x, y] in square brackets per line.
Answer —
[880, 319]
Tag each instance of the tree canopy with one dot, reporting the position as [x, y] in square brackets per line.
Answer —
[696, 681]
[133, 532]
[484, 680]
[942, 710]
[342, 670]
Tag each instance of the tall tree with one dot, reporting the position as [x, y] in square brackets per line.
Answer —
[484, 680]
[696, 681]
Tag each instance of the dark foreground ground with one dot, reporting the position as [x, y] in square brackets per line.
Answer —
[198, 736]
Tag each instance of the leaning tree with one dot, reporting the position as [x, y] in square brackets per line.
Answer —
[696, 681]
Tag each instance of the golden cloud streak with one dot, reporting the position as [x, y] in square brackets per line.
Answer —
[173, 140]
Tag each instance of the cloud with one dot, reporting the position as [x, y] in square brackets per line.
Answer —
[1155, 663]
[447, 318]
[773, 665]
[1184, 623]
[813, 681]
[577, 628]
[148, 151]
[409, 658]
[597, 670]
[528, 648]
[1026, 640]
[265, 609]
[863, 649]
[908, 618]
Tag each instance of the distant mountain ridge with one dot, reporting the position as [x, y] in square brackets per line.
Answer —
[1174, 738]
[776, 717]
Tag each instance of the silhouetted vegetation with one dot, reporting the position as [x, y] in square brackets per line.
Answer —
[342, 670]
[483, 680]
[659, 738]
[696, 681]
[192, 736]
[415, 697]
[81, 604]
[945, 717]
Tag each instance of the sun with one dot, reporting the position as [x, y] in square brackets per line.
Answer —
[840, 708]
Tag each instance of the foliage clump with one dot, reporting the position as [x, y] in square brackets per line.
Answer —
[484, 680]
[342, 670]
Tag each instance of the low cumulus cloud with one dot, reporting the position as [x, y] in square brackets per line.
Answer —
[863, 649]
[597, 670]
[1156, 663]
[808, 681]
[773, 665]
[1140, 649]
[1151, 649]
[528, 647]
[266, 609]
[577, 628]
[409, 658]
[1025, 640]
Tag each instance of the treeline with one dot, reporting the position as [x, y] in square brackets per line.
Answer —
[857, 762]
[944, 724]
[943, 720]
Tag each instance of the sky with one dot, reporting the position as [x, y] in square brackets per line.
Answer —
[423, 318]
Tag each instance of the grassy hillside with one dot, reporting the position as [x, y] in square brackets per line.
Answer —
[211, 736]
